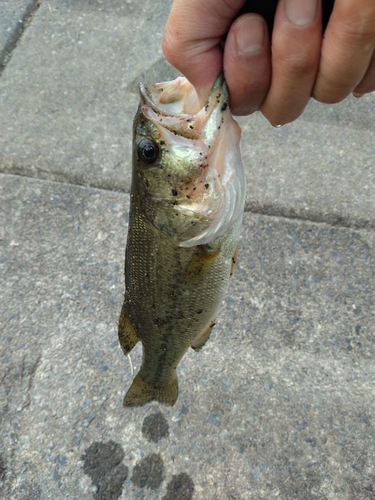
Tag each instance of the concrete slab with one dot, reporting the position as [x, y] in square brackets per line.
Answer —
[69, 94]
[14, 16]
[278, 405]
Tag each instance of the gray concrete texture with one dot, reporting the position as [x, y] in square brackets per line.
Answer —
[280, 402]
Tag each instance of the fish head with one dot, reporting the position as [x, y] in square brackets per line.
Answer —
[187, 169]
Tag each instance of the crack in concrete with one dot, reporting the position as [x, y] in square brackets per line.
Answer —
[316, 216]
[16, 35]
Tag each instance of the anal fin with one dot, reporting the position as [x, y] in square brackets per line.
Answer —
[126, 333]
[141, 392]
[200, 341]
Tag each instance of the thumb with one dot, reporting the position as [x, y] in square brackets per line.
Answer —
[193, 36]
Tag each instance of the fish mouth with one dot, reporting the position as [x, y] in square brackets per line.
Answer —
[180, 97]
[175, 106]
[174, 109]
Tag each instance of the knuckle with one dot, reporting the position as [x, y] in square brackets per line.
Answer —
[169, 47]
[356, 32]
[298, 64]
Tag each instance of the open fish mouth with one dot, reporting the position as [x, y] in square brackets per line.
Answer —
[212, 133]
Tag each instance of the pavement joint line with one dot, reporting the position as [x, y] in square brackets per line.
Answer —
[316, 217]
[267, 212]
[16, 35]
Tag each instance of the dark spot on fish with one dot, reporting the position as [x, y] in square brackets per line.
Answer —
[162, 143]
[218, 127]
[199, 311]
[174, 192]
[181, 487]
[103, 463]
[175, 203]
[149, 472]
[224, 106]
[158, 321]
[155, 427]
[191, 127]
[188, 197]
[194, 188]
[206, 186]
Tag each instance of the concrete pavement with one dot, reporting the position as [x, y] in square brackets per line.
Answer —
[280, 402]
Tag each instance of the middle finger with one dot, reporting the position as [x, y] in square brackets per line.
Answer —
[296, 43]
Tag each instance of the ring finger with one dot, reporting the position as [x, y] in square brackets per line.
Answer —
[296, 43]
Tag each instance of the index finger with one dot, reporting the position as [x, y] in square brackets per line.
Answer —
[193, 35]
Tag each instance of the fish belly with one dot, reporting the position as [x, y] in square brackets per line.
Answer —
[171, 301]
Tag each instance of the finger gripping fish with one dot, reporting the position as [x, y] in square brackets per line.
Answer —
[186, 205]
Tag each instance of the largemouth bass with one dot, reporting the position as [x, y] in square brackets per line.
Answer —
[186, 205]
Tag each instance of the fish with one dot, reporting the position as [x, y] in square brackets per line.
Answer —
[186, 206]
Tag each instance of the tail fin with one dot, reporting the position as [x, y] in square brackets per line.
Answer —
[142, 392]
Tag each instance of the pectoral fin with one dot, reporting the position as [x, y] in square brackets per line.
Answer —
[141, 392]
[200, 262]
[200, 341]
[126, 333]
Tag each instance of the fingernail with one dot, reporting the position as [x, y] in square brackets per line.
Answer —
[250, 35]
[274, 125]
[357, 95]
[301, 12]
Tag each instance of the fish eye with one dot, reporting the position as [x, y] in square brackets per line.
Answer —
[148, 151]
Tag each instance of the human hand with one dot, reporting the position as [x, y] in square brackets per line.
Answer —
[277, 76]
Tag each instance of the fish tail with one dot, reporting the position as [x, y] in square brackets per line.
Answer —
[141, 392]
